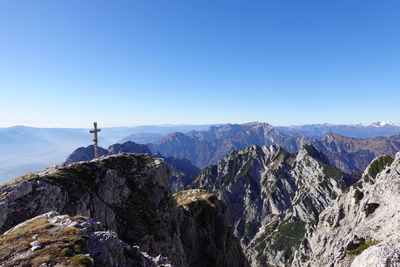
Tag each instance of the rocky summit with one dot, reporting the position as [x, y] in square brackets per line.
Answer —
[113, 211]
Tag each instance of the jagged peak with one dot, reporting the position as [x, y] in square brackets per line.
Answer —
[330, 137]
[259, 151]
[380, 124]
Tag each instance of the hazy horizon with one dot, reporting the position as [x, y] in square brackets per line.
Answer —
[90, 125]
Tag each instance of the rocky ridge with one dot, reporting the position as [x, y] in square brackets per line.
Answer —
[275, 198]
[128, 195]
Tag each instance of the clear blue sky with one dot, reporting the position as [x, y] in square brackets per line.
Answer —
[67, 63]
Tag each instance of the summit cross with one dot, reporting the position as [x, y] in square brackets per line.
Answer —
[95, 140]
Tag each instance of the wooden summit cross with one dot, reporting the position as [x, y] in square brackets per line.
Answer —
[95, 140]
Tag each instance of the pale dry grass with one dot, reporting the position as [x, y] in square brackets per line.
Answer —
[55, 242]
[186, 197]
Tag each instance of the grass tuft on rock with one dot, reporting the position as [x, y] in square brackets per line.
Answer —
[186, 197]
[83, 260]
[379, 165]
[362, 245]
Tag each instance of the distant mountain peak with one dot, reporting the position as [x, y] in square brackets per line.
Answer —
[311, 151]
[381, 124]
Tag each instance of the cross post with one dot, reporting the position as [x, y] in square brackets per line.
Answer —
[95, 140]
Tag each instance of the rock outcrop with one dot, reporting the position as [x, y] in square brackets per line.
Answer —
[275, 197]
[204, 221]
[361, 228]
[128, 195]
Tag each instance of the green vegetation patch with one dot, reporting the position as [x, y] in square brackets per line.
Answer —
[82, 259]
[379, 165]
[238, 167]
[332, 171]
[294, 229]
[58, 244]
[362, 245]
[288, 238]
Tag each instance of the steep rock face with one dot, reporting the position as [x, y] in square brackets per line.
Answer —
[127, 193]
[361, 228]
[204, 221]
[274, 197]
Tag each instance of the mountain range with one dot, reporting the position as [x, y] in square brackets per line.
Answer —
[24, 149]
[362, 130]
[206, 147]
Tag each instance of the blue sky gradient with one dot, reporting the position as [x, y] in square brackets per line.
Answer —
[68, 63]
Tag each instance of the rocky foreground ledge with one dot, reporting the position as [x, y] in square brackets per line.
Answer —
[113, 211]
[361, 228]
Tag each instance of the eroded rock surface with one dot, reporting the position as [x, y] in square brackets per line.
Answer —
[362, 227]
